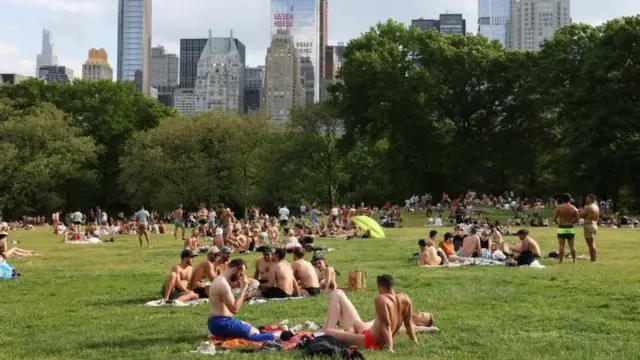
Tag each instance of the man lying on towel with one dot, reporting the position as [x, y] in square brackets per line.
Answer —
[281, 283]
[224, 305]
[391, 312]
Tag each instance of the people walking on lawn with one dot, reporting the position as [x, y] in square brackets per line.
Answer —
[142, 220]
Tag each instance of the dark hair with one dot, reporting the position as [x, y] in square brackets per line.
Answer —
[492, 226]
[385, 281]
[422, 243]
[473, 230]
[281, 253]
[565, 198]
[298, 252]
[433, 233]
[524, 232]
[592, 197]
[237, 263]
[447, 236]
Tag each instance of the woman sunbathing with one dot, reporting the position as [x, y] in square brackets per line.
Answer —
[6, 253]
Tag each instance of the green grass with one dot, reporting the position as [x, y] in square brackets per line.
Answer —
[84, 302]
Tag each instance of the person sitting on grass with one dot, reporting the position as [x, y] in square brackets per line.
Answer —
[263, 265]
[193, 241]
[176, 285]
[224, 306]
[305, 274]
[7, 253]
[391, 312]
[470, 245]
[281, 283]
[326, 274]
[206, 270]
[429, 255]
[527, 250]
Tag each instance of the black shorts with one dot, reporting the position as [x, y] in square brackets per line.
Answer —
[567, 235]
[202, 292]
[313, 291]
[441, 260]
[175, 293]
[284, 222]
[202, 222]
[77, 223]
[263, 281]
[526, 258]
[274, 293]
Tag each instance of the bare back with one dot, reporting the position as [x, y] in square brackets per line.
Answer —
[306, 273]
[391, 311]
[282, 274]
[204, 271]
[219, 295]
[470, 244]
[566, 214]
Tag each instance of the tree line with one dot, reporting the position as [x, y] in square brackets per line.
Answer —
[413, 112]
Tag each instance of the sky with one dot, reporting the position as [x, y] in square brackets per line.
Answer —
[78, 25]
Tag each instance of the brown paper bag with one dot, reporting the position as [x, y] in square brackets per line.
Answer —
[357, 281]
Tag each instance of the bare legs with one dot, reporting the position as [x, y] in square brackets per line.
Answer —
[19, 252]
[591, 243]
[572, 249]
[342, 310]
[170, 284]
[142, 230]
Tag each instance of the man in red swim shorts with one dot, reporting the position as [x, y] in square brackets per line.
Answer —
[391, 312]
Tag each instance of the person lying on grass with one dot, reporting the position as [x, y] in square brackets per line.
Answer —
[223, 305]
[7, 253]
[326, 274]
[392, 311]
[281, 283]
[176, 284]
[305, 274]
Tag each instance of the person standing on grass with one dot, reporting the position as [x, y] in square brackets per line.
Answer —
[176, 284]
[178, 222]
[284, 216]
[142, 219]
[590, 213]
[392, 311]
[566, 216]
[224, 305]
[76, 219]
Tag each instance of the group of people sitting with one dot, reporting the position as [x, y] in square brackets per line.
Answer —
[274, 277]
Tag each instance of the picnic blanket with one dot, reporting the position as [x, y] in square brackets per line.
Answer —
[261, 300]
[215, 344]
[160, 303]
[476, 261]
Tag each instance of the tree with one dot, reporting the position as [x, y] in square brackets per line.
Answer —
[41, 152]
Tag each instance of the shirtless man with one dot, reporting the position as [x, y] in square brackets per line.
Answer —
[262, 266]
[226, 219]
[203, 218]
[238, 241]
[528, 249]
[590, 213]
[178, 222]
[273, 232]
[281, 282]
[470, 245]
[326, 274]
[566, 215]
[193, 242]
[429, 254]
[291, 241]
[497, 242]
[391, 312]
[224, 305]
[223, 259]
[206, 270]
[176, 285]
[305, 274]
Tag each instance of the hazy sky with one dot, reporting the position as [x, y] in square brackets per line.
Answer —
[78, 25]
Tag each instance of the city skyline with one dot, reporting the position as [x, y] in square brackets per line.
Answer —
[78, 25]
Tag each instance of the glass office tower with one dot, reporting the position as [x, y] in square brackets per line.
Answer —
[302, 18]
[494, 18]
[134, 41]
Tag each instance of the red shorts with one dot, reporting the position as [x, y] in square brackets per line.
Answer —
[369, 342]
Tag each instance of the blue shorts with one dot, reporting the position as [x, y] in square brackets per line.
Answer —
[179, 224]
[228, 327]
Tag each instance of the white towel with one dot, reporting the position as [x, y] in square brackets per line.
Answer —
[175, 303]
[255, 301]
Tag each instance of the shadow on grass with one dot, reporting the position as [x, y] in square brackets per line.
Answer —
[146, 342]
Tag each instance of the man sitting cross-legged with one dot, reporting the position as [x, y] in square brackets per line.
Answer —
[281, 283]
[176, 284]
[224, 306]
[206, 270]
[391, 312]
[305, 274]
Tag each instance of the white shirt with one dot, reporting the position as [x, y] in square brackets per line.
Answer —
[212, 216]
[76, 216]
[438, 222]
[284, 213]
[335, 211]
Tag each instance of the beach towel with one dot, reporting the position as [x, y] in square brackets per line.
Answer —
[216, 345]
[475, 261]
[160, 303]
[260, 300]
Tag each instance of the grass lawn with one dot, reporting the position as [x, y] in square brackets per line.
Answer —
[84, 301]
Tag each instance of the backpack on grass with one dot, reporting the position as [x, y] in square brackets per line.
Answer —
[329, 346]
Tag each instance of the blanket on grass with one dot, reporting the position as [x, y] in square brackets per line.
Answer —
[215, 345]
[160, 303]
[476, 261]
[260, 300]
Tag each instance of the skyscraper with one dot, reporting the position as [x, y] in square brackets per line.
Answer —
[323, 32]
[494, 20]
[426, 24]
[533, 21]
[253, 83]
[134, 41]
[56, 74]
[300, 18]
[164, 68]
[282, 87]
[97, 66]
[446, 24]
[47, 54]
[220, 79]
[190, 51]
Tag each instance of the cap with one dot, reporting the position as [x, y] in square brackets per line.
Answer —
[213, 250]
[226, 250]
[316, 259]
[187, 253]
